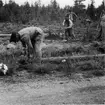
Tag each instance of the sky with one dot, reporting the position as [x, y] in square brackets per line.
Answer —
[62, 3]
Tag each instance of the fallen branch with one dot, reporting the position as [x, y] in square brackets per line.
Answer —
[82, 57]
[5, 35]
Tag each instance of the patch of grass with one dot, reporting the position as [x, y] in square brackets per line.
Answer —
[98, 73]
[44, 68]
[65, 51]
[17, 63]
[88, 65]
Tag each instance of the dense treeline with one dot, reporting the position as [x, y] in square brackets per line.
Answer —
[12, 12]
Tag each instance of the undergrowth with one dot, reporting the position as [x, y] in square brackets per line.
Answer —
[18, 63]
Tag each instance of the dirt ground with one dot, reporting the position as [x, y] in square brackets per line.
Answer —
[54, 89]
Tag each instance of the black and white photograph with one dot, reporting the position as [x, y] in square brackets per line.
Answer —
[52, 52]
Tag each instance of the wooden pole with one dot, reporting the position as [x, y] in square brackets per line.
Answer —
[81, 57]
[5, 35]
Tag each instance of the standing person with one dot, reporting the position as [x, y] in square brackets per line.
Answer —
[68, 24]
[31, 37]
[88, 37]
[102, 27]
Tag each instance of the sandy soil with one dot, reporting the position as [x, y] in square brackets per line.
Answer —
[56, 91]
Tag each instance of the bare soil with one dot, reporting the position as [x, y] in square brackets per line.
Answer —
[56, 89]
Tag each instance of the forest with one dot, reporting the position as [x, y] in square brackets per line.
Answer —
[38, 13]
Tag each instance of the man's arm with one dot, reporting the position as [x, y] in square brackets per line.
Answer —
[63, 22]
[27, 41]
[70, 25]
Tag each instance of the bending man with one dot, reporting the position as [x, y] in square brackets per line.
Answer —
[31, 37]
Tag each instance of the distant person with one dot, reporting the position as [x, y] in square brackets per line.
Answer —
[31, 37]
[102, 13]
[68, 25]
[102, 27]
[88, 37]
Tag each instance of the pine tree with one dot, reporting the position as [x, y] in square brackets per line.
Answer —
[91, 10]
[79, 7]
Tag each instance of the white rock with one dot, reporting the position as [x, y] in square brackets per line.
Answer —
[3, 68]
[63, 60]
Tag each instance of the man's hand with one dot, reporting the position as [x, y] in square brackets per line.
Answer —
[67, 27]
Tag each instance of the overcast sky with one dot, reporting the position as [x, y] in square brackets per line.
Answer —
[62, 3]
